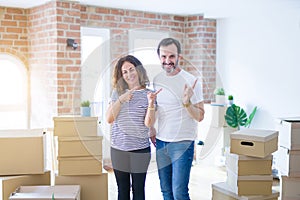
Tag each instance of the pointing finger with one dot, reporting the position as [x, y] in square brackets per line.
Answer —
[158, 91]
[185, 86]
[133, 89]
[194, 83]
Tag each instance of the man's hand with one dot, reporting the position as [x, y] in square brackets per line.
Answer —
[188, 93]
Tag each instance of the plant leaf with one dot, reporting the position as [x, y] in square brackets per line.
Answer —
[235, 116]
[251, 116]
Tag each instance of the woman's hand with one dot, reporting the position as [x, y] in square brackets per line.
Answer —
[150, 115]
[127, 96]
[152, 135]
[152, 97]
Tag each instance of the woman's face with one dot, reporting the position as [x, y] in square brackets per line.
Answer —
[130, 74]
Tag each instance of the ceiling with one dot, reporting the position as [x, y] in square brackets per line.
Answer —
[209, 8]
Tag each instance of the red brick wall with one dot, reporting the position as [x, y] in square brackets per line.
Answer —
[13, 33]
[42, 39]
[50, 26]
[197, 35]
[69, 60]
[38, 36]
[121, 21]
[200, 51]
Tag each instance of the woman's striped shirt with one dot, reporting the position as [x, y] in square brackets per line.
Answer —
[128, 130]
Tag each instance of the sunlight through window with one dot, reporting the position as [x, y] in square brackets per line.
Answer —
[13, 88]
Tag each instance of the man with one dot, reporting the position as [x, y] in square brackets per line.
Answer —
[179, 107]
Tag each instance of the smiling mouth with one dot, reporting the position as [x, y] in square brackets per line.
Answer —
[130, 78]
[168, 64]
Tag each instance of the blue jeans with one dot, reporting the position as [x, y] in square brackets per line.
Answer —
[174, 162]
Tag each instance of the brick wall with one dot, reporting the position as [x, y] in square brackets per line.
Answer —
[200, 51]
[37, 36]
[42, 56]
[13, 33]
[197, 35]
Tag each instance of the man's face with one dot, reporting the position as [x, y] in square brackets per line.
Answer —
[169, 58]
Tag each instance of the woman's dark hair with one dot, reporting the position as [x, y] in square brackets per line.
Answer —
[167, 42]
[119, 83]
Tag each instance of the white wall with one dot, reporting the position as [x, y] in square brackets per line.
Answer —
[258, 60]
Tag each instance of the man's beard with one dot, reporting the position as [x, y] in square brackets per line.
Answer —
[170, 70]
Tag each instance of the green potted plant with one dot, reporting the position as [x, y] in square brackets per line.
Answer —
[236, 116]
[85, 110]
[230, 100]
[220, 95]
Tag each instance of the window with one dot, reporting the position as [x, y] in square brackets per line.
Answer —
[95, 77]
[14, 93]
[143, 45]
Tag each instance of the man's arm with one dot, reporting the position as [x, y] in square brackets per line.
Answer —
[196, 111]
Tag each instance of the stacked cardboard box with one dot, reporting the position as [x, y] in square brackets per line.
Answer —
[249, 166]
[287, 158]
[221, 191]
[8, 184]
[92, 186]
[79, 156]
[22, 160]
[42, 192]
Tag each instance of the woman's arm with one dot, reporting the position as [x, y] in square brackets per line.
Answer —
[150, 115]
[115, 107]
[113, 110]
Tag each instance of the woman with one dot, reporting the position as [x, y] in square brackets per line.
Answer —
[131, 112]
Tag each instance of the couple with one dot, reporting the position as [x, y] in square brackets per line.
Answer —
[178, 104]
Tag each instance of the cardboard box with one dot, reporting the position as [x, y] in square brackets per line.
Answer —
[289, 133]
[250, 185]
[290, 188]
[88, 165]
[92, 187]
[221, 191]
[254, 142]
[22, 152]
[246, 165]
[43, 192]
[218, 115]
[288, 162]
[79, 146]
[8, 184]
[75, 126]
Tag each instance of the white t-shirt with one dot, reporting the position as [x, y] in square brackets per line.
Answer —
[174, 122]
